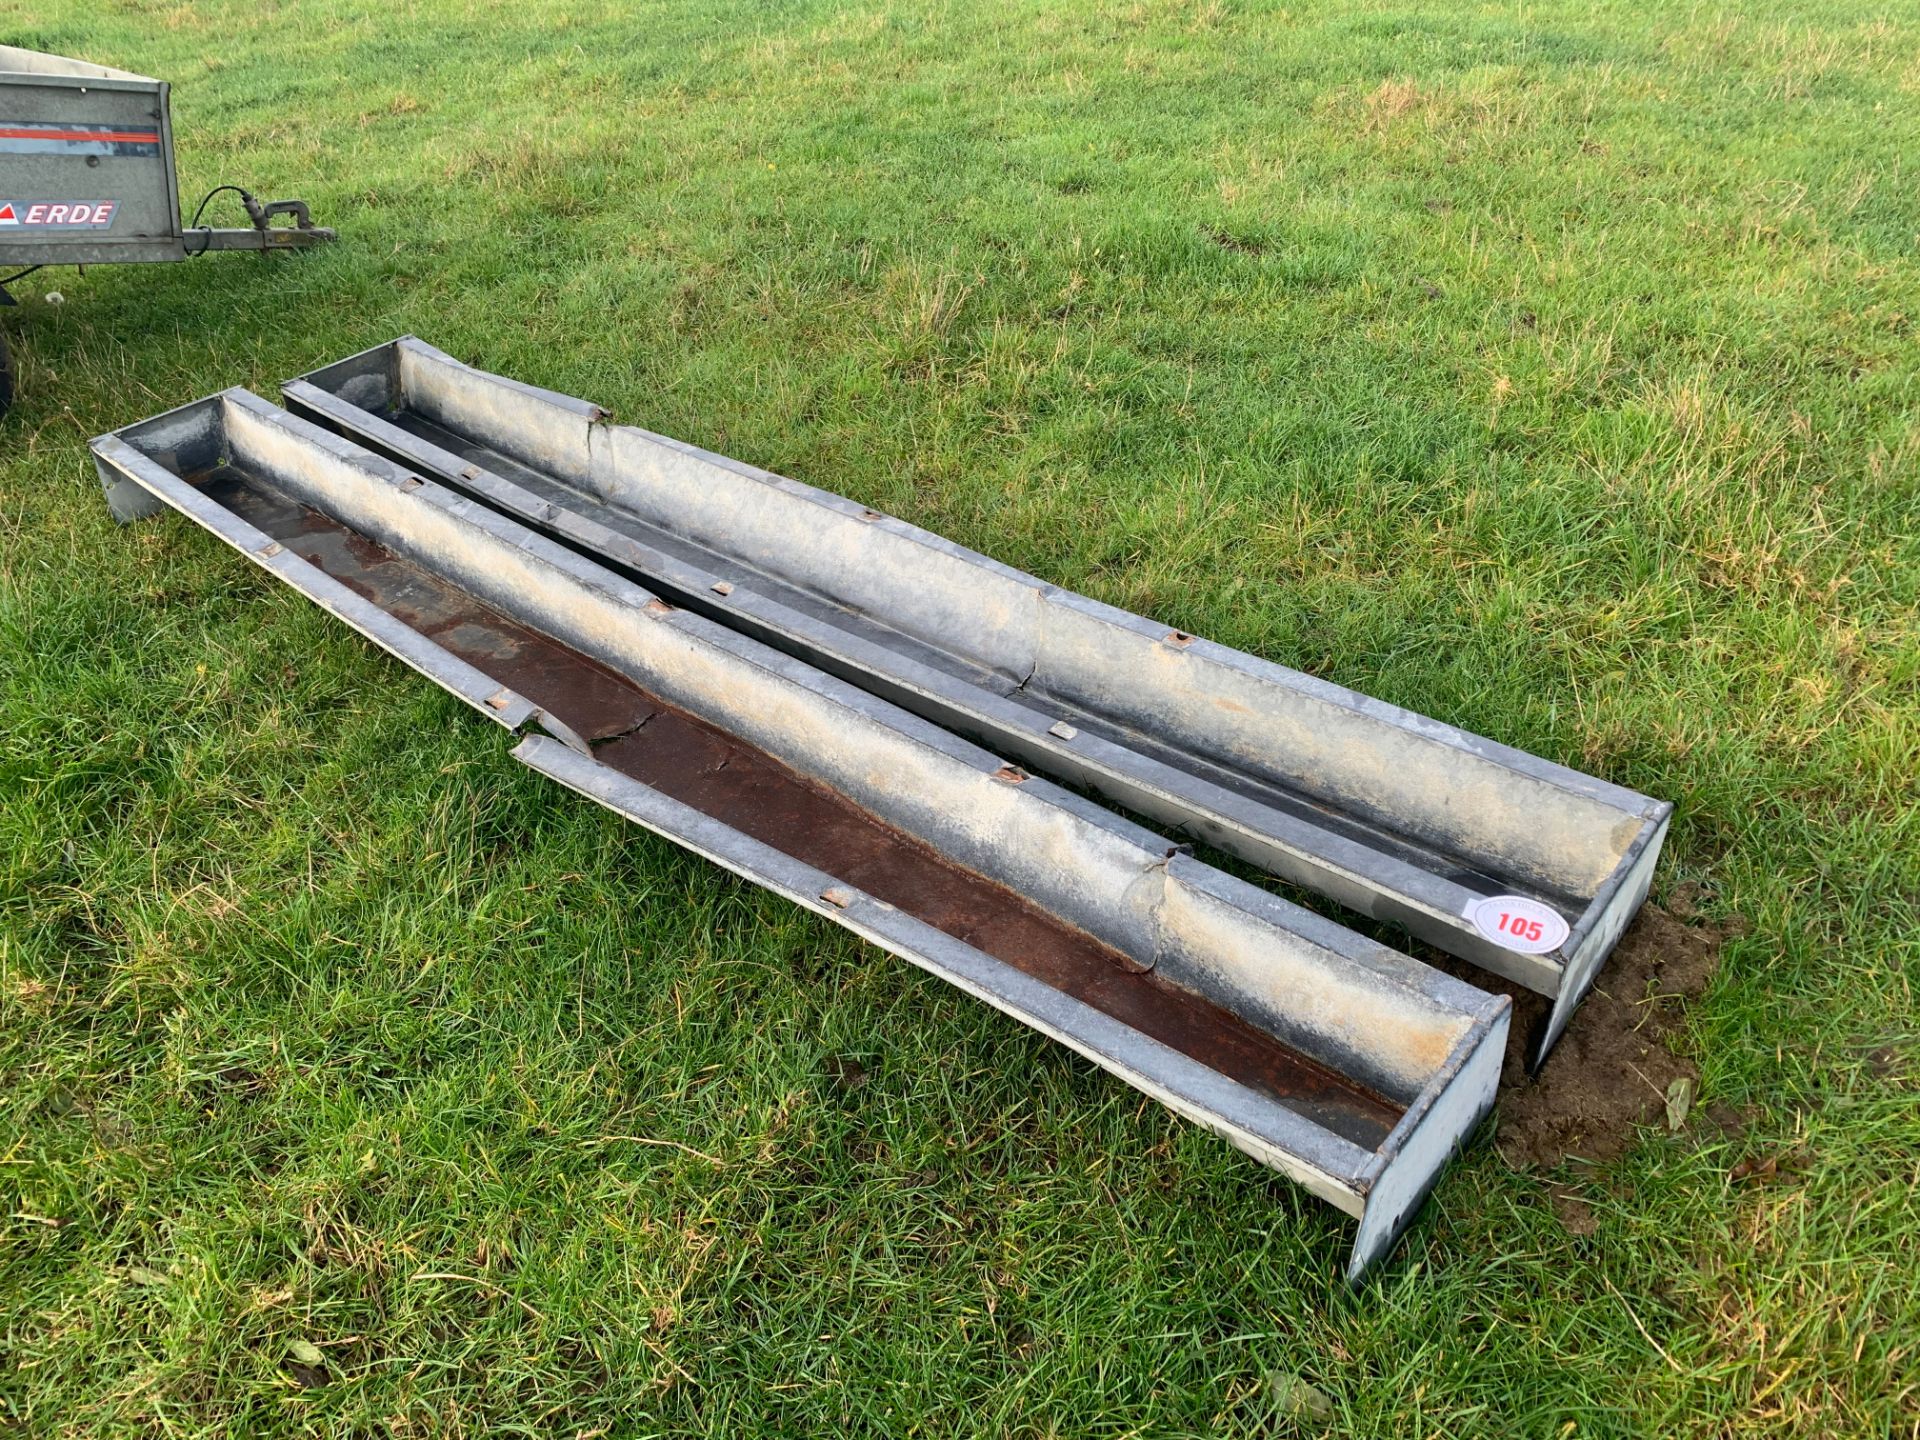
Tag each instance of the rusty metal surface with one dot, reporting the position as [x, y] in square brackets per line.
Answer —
[1349, 1068]
[201, 239]
[644, 737]
[591, 701]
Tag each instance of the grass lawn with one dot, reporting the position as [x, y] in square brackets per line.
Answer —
[1550, 369]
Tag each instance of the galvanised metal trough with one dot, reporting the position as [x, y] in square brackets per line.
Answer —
[1352, 1069]
[1526, 868]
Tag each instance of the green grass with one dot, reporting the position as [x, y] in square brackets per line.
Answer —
[1549, 369]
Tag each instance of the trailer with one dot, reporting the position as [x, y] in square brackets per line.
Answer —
[87, 178]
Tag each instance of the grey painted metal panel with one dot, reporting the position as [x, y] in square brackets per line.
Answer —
[1192, 940]
[74, 134]
[87, 175]
[1400, 817]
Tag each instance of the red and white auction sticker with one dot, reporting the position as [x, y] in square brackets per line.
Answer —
[1518, 923]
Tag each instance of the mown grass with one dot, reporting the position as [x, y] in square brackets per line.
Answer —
[1550, 369]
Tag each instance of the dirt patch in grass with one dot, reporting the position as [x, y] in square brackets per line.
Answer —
[1574, 1214]
[1239, 244]
[1616, 1066]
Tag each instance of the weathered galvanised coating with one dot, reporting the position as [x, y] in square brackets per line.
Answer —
[1351, 1068]
[1400, 817]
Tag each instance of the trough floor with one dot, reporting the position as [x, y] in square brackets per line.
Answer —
[666, 748]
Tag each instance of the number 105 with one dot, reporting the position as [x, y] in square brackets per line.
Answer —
[1520, 927]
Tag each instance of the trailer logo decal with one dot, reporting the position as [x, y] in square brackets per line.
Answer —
[36, 137]
[58, 214]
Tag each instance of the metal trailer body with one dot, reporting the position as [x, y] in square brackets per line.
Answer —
[1347, 1066]
[75, 134]
[87, 176]
[1395, 815]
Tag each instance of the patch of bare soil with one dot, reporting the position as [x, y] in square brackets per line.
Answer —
[1615, 1068]
[1575, 1215]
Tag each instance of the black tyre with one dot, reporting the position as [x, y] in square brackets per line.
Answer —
[6, 377]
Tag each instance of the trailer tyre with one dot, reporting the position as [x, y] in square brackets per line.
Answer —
[6, 377]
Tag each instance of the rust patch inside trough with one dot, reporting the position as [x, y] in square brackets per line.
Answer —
[651, 741]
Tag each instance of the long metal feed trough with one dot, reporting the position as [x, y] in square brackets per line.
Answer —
[1353, 1069]
[1395, 815]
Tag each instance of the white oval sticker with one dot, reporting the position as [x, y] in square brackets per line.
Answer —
[1518, 923]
